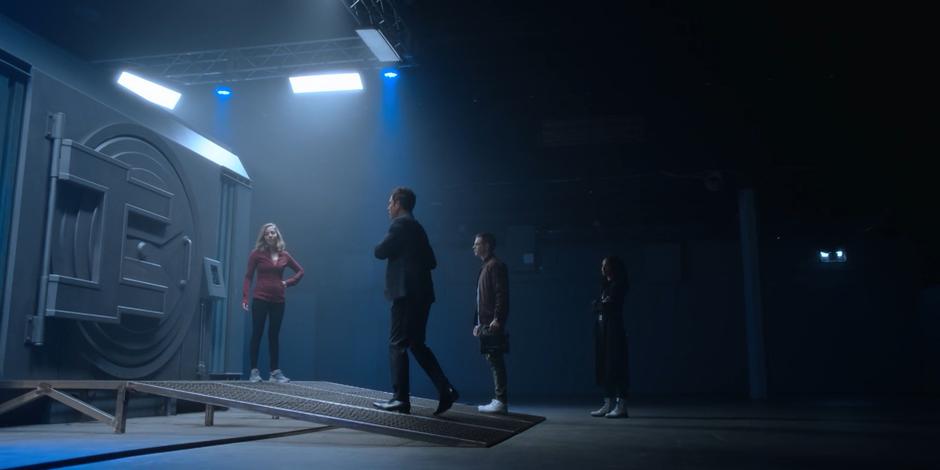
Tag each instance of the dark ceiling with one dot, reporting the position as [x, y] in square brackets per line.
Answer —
[809, 99]
[111, 29]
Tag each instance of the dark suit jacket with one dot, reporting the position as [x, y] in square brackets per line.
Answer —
[410, 260]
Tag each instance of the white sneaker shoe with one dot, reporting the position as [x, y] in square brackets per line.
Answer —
[494, 407]
[254, 376]
[278, 376]
[603, 410]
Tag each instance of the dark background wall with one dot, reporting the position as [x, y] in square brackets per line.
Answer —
[323, 166]
[843, 329]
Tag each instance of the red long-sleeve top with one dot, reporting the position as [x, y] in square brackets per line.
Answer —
[268, 284]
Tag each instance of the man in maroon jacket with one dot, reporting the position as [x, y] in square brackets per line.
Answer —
[492, 314]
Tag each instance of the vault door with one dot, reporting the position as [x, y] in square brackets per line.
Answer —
[122, 253]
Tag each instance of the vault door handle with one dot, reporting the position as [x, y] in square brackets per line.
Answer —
[189, 260]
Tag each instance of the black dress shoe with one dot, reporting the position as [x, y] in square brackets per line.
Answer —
[447, 400]
[393, 405]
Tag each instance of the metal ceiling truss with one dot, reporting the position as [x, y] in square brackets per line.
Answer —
[383, 16]
[277, 60]
[251, 63]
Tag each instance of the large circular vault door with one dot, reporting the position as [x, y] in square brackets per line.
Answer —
[124, 245]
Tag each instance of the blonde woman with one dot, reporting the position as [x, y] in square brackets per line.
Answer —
[268, 259]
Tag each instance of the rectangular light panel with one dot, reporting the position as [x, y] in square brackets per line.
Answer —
[379, 45]
[149, 91]
[326, 82]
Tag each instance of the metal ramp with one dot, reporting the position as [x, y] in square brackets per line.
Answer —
[318, 402]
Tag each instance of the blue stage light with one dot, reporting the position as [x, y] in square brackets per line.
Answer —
[390, 74]
[223, 91]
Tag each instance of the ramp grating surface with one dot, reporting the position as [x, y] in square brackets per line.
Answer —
[350, 407]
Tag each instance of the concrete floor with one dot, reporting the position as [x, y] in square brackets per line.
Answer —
[657, 435]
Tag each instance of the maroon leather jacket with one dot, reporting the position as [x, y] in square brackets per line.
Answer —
[493, 292]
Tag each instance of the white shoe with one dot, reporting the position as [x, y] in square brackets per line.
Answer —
[494, 407]
[619, 411]
[255, 376]
[278, 376]
[603, 410]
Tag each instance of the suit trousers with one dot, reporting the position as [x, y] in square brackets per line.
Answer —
[408, 329]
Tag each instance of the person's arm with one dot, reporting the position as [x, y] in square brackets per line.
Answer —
[249, 274]
[432, 260]
[476, 308]
[429, 257]
[501, 289]
[613, 295]
[393, 243]
[298, 271]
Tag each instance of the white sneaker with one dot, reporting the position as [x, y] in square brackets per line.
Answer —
[278, 376]
[603, 410]
[255, 376]
[494, 407]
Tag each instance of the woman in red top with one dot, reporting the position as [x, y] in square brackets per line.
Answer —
[268, 259]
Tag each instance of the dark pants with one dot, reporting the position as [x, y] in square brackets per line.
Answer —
[408, 328]
[260, 311]
[498, 366]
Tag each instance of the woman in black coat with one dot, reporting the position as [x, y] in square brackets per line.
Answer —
[610, 339]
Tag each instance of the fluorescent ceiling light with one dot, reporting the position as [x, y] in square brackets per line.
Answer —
[379, 46]
[326, 82]
[149, 91]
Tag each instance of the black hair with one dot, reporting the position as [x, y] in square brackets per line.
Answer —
[406, 197]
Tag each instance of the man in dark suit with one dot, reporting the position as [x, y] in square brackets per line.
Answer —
[409, 287]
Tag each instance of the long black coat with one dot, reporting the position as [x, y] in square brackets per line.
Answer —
[410, 260]
[610, 339]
